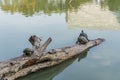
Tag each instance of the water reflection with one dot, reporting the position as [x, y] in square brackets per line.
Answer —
[31, 7]
[92, 14]
[97, 15]
[50, 73]
[115, 7]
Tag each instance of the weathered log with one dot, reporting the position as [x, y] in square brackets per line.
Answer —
[24, 65]
[50, 73]
[37, 49]
[35, 41]
[44, 46]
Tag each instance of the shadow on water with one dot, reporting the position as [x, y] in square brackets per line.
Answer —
[50, 73]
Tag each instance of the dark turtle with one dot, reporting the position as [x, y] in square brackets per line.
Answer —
[83, 34]
[28, 52]
[83, 38]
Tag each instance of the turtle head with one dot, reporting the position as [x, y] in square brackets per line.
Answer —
[82, 31]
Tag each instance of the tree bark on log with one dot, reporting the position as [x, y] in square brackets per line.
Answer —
[50, 73]
[21, 66]
[44, 46]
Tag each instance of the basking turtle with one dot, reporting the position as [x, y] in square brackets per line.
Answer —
[83, 38]
[28, 52]
[83, 34]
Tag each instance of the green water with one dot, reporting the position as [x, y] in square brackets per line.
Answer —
[63, 21]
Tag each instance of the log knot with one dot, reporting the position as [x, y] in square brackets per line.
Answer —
[35, 41]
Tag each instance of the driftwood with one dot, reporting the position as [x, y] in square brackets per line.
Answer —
[35, 41]
[50, 73]
[40, 59]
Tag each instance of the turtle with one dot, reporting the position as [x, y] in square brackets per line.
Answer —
[28, 52]
[83, 38]
[83, 34]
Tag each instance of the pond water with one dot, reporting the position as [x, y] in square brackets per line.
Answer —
[63, 21]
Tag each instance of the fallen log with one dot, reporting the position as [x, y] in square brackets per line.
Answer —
[21, 66]
[50, 73]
